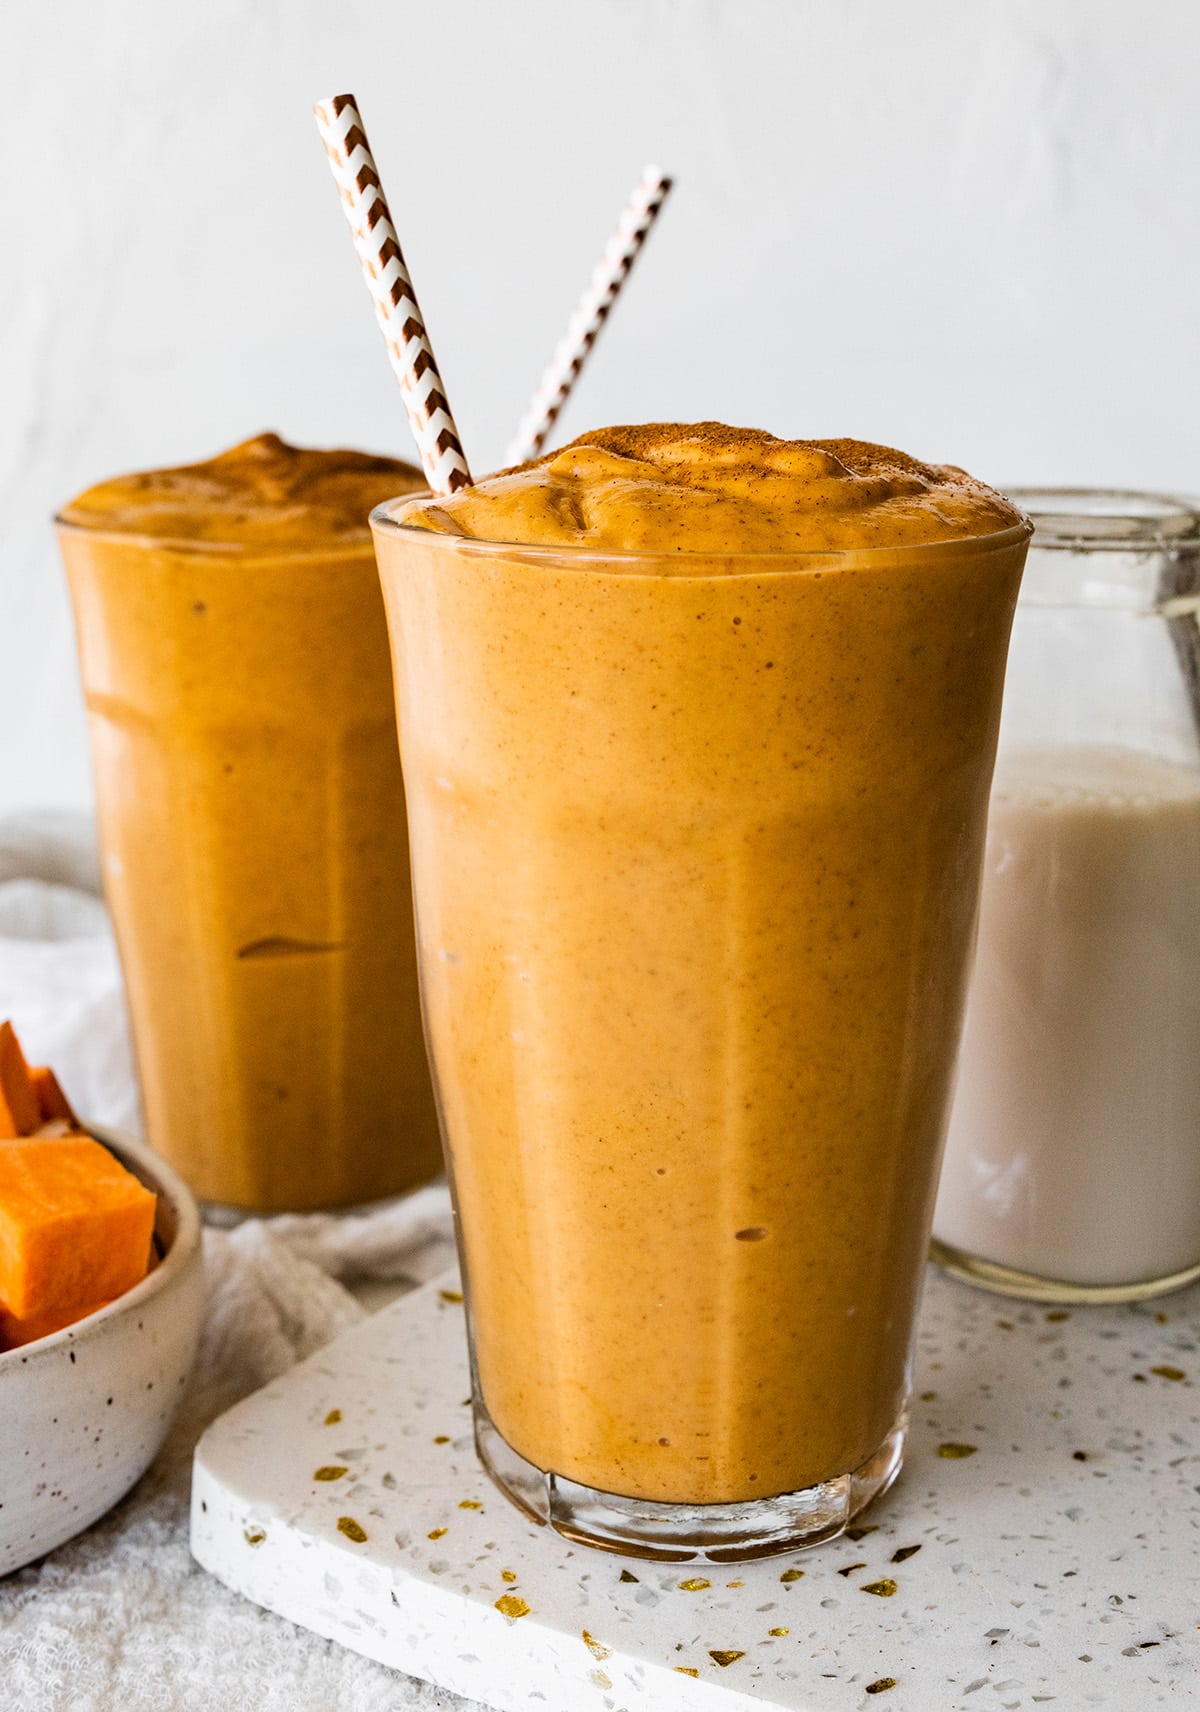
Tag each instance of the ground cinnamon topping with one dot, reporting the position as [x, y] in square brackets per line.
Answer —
[263, 492]
[705, 487]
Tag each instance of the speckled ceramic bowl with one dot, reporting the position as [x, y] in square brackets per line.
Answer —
[82, 1413]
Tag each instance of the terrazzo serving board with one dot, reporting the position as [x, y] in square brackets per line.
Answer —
[1040, 1548]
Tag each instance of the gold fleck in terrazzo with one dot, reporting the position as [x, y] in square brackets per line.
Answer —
[512, 1605]
[353, 1530]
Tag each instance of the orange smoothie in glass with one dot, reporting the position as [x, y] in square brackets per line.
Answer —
[251, 816]
[698, 728]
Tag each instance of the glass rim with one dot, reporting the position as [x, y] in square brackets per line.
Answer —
[1108, 520]
[186, 545]
[585, 553]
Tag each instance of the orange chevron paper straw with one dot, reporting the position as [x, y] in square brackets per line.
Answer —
[378, 246]
[591, 312]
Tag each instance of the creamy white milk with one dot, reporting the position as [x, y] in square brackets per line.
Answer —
[1074, 1148]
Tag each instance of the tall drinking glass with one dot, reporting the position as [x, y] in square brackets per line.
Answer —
[696, 845]
[251, 818]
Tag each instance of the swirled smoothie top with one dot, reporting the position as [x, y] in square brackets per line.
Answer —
[701, 487]
[263, 493]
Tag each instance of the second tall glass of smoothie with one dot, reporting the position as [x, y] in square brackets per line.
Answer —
[251, 815]
[698, 728]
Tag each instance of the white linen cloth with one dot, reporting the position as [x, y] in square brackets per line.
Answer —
[121, 1619]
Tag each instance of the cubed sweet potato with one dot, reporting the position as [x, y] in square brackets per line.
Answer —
[75, 1226]
[20, 1113]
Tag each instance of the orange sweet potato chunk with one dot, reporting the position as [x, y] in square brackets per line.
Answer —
[75, 1226]
[15, 1331]
[52, 1102]
[20, 1113]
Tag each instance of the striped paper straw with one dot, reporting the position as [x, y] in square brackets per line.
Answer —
[408, 347]
[590, 315]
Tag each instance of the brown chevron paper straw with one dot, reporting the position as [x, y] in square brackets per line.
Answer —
[591, 312]
[378, 246]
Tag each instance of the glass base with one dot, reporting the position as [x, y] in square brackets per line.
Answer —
[226, 1218]
[682, 1533]
[222, 1216]
[1006, 1281]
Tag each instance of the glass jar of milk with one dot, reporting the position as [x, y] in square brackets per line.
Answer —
[1072, 1168]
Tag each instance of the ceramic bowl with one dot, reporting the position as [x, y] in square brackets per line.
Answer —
[83, 1412]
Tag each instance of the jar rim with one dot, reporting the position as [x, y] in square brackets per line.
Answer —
[1118, 520]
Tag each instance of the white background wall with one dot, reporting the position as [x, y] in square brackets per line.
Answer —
[972, 230]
